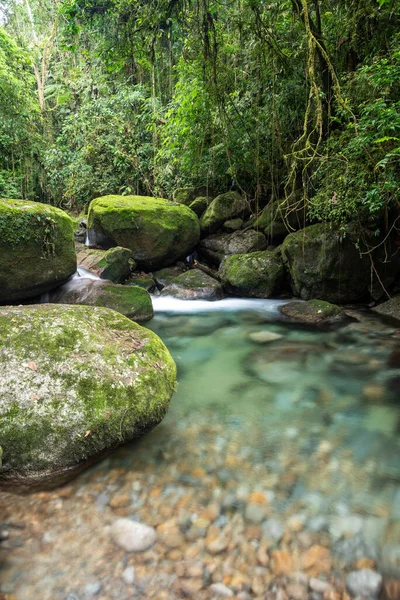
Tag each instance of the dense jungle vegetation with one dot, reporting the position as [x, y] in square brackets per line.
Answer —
[295, 99]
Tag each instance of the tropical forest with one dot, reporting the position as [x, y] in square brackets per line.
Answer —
[200, 299]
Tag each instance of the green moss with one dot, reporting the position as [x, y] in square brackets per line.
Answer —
[112, 379]
[314, 312]
[37, 250]
[222, 208]
[258, 274]
[158, 231]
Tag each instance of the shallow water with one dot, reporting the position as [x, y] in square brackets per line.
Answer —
[289, 446]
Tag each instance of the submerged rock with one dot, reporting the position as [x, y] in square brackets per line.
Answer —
[132, 536]
[364, 583]
[222, 208]
[255, 275]
[158, 232]
[37, 251]
[313, 312]
[75, 382]
[216, 247]
[132, 301]
[194, 285]
[327, 264]
[114, 264]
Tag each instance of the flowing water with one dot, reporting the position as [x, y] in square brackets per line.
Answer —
[279, 460]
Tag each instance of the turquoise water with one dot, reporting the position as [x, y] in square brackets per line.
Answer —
[282, 445]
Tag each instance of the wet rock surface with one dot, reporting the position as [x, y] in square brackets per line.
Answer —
[194, 285]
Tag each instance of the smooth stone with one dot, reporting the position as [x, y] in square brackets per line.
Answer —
[255, 513]
[272, 530]
[221, 590]
[364, 583]
[92, 589]
[128, 575]
[345, 526]
[132, 536]
[264, 337]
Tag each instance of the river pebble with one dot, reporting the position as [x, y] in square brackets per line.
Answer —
[364, 583]
[132, 536]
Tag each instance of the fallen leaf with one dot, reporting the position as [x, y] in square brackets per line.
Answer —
[88, 433]
[32, 365]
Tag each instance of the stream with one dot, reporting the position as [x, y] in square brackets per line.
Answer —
[279, 460]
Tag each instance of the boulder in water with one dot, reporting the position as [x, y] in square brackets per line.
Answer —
[132, 301]
[75, 382]
[159, 232]
[194, 285]
[255, 275]
[327, 264]
[313, 312]
[37, 251]
[390, 308]
[165, 276]
[216, 247]
[222, 208]
[114, 264]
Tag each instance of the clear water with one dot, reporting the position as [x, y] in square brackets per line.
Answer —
[303, 430]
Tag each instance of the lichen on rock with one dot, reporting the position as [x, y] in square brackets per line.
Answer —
[75, 382]
[37, 251]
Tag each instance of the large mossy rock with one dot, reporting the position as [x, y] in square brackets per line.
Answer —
[75, 382]
[188, 194]
[200, 204]
[255, 275]
[114, 264]
[217, 246]
[133, 302]
[279, 218]
[222, 208]
[194, 285]
[328, 265]
[37, 251]
[314, 312]
[159, 232]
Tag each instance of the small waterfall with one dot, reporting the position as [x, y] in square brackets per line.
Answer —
[85, 273]
[169, 304]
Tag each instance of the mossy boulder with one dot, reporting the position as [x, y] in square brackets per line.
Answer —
[313, 312]
[142, 280]
[200, 205]
[159, 232]
[328, 264]
[75, 382]
[217, 246]
[37, 251]
[233, 225]
[222, 208]
[255, 275]
[187, 195]
[279, 218]
[114, 264]
[165, 276]
[131, 301]
[194, 285]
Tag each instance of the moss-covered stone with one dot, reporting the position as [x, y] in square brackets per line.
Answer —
[37, 251]
[188, 194]
[255, 275]
[313, 312]
[233, 225]
[194, 285]
[158, 232]
[280, 218]
[217, 246]
[200, 204]
[114, 264]
[142, 280]
[222, 208]
[165, 276]
[327, 264]
[75, 382]
[132, 301]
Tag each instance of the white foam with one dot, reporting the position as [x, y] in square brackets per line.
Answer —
[85, 273]
[169, 304]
